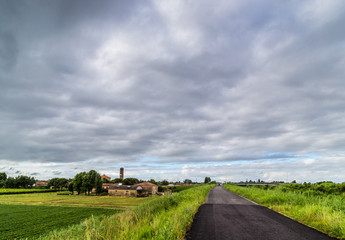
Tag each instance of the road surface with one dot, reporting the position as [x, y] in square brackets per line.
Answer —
[226, 215]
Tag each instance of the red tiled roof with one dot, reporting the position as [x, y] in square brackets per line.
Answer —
[146, 184]
[42, 182]
[105, 176]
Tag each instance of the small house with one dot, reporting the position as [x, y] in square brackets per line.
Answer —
[41, 183]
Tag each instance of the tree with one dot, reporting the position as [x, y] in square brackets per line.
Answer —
[58, 183]
[90, 181]
[117, 180]
[10, 183]
[24, 182]
[70, 187]
[165, 182]
[130, 181]
[84, 182]
[153, 181]
[78, 182]
[3, 178]
[207, 180]
[188, 181]
[98, 184]
[105, 180]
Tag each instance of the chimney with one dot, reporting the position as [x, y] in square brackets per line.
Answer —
[121, 173]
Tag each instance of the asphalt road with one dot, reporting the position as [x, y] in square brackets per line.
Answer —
[226, 215]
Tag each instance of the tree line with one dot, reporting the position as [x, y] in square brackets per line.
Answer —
[16, 182]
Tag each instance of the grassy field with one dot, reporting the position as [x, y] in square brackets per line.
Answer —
[317, 209]
[166, 217]
[17, 191]
[20, 221]
[53, 199]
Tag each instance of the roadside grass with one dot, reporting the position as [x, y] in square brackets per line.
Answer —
[166, 217]
[325, 213]
[18, 191]
[55, 199]
[27, 222]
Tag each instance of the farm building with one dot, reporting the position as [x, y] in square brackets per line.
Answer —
[125, 190]
[148, 188]
[41, 183]
[108, 185]
[105, 176]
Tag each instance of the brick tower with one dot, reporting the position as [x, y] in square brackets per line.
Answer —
[122, 173]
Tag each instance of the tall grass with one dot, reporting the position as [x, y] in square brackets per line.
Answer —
[167, 217]
[325, 213]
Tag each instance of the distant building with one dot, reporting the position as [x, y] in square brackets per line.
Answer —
[105, 176]
[108, 185]
[125, 190]
[137, 190]
[41, 183]
[148, 188]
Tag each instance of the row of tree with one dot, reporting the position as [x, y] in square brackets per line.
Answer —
[17, 182]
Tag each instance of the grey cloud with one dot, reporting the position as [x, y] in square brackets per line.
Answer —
[8, 51]
[119, 81]
[56, 172]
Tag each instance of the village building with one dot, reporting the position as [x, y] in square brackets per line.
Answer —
[41, 183]
[125, 190]
[105, 176]
[137, 190]
[148, 188]
[108, 185]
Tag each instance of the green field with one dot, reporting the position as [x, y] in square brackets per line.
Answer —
[53, 199]
[17, 191]
[166, 217]
[320, 206]
[20, 221]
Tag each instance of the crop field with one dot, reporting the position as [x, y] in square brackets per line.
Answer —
[320, 206]
[53, 199]
[18, 191]
[20, 221]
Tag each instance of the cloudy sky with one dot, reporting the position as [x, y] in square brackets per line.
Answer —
[173, 89]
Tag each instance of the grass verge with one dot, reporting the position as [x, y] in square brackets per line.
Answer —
[325, 213]
[166, 217]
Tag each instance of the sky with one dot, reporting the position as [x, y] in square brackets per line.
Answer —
[234, 90]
